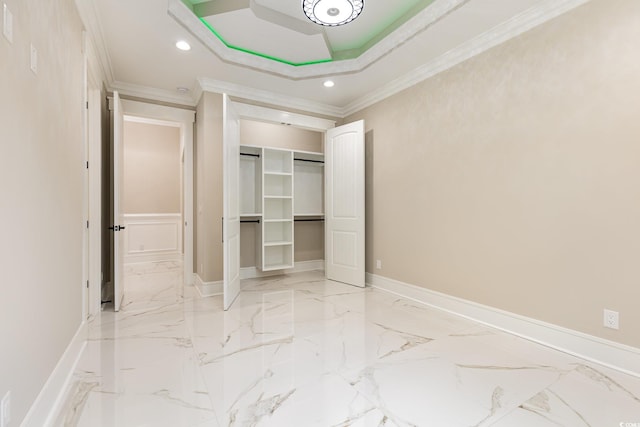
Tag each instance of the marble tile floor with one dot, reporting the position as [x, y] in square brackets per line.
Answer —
[299, 350]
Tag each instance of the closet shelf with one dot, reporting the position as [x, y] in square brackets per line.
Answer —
[279, 197]
[278, 220]
[277, 267]
[283, 243]
[278, 173]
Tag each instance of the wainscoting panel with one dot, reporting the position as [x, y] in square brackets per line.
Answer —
[152, 237]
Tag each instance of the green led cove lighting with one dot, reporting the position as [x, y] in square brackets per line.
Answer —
[262, 55]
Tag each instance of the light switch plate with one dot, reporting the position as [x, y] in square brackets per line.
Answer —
[7, 23]
[34, 59]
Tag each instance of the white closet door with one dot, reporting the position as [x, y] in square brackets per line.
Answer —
[231, 202]
[344, 204]
[118, 215]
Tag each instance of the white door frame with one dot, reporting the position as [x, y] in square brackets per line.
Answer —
[86, 209]
[272, 115]
[95, 197]
[92, 133]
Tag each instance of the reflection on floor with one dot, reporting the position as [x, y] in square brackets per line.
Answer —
[299, 350]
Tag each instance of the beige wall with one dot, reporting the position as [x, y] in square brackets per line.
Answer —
[513, 179]
[208, 203]
[41, 182]
[151, 168]
[308, 241]
[249, 244]
[280, 136]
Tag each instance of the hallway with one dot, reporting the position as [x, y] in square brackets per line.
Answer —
[299, 350]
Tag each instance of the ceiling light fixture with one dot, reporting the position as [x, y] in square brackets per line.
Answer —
[329, 83]
[332, 13]
[183, 45]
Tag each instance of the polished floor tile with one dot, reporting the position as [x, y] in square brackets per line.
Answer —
[299, 350]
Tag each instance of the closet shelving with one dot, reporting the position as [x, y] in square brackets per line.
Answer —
[277, 208]
[278, 187]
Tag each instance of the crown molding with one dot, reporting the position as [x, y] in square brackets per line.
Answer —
[519, 24]
[263, 96]
[89, 16]
[151, 93]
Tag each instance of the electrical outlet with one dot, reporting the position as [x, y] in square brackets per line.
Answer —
[611, 319]
[5, 410]
[378, 264]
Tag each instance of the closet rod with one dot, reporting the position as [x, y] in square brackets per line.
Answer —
[308, 160]
[250, 155]
[251, 221]
[309, 220]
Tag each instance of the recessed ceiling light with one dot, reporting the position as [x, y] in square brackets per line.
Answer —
[329, 83]
[183, 45]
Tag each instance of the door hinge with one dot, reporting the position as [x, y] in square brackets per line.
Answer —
[87, 105]
[87, 164]
[87, 284]
[87, 224]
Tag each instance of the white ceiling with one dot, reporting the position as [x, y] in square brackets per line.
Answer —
[136, 41]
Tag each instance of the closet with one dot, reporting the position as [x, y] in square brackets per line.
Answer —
[281, 205]
[287, 204]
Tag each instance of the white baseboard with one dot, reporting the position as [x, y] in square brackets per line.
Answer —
[298, 267]
[49, 402]
[608, 353]
[207, 289]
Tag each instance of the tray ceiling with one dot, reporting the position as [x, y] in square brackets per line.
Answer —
[389, 47]
[262, 30]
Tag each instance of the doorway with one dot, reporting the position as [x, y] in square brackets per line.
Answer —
[344, 195]
[153, 159]
[307, 214]
[152, 210]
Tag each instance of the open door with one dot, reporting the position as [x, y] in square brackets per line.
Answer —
[344, 204]
[118, 217]
[231, 202]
